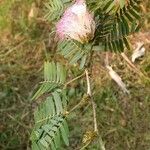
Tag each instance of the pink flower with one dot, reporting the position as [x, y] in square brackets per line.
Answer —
[76, 23]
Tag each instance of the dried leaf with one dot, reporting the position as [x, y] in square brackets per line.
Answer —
[88, 136]
[33, 12]
[138, 52]
[117, 79]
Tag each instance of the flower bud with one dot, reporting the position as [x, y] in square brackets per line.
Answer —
[76, 23]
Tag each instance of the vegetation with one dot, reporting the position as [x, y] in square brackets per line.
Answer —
[122, 120]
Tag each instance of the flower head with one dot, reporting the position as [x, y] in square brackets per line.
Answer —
[76, 23]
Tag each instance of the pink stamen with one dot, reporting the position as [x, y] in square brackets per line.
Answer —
[77, 23]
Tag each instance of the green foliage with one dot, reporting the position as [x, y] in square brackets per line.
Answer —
[115, 25]
[48, 132]
[50, 122]
[55, 9]
[54, 77]
[4, 12]
[115, 20]
[74, 51]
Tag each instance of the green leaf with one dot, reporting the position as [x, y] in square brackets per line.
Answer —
[53, 146]
[54, 77]
[126, 43]
[54, 9]
[64, 135]
[51, 133]
[122, 3]
[57, 139]
[83, 61]
[114, 27]
[66, 127]
[73, 51]
[109, 5]
[35, 146]
[43, 142]
[58, 103]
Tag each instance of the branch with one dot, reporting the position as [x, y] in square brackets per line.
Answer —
[20, 123]
[78, 77]
[135, 69]
[92, 100]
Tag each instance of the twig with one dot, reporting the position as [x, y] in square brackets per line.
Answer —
[133, 66]
[102, 146]
[101, 143]
[84, 101]
[107, 60]
[42, 97]
[21, 124]
[129, 62]
[78, 77]
[85, 146]
[92, 101]
[7, 109]
[90, 62]
[49, 94]
[14, 48]
[75, 107]
[88, 84]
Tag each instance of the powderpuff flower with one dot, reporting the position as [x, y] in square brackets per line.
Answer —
[76, 23]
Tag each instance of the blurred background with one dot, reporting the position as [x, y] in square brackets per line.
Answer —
[124, 121]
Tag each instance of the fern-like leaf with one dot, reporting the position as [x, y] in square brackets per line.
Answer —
[50, 123]
[74, 51]
[113, 29]
[54, 9]
[48, 135]
[54, 77]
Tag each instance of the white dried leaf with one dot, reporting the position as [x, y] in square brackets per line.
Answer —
[33, 12]
[117, 79]
[138, 52]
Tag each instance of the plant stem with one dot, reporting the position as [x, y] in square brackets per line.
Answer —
[21, 124]
[78, 77]
[92, 100]
[75, 107]
[135, 69]
[85, 146]
[102, 146]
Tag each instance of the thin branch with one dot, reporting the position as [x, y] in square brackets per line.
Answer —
[83, 101]
[102, 146]
[44, 96]
[88, 83]
[101, 143]
[107, 59]
[14, 48]
[7, 109]
[74, 79]
[92, 101]
[75, 107]
[49, 94]
[134, 68]
[78, 77]
[85, 146]
[129, 62]
[21, 124]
